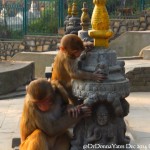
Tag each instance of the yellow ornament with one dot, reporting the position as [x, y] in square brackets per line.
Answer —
[100, 24]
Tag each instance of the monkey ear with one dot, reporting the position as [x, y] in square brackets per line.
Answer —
[62, 48]
[26, 88]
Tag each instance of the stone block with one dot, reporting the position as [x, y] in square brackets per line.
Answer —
[115, 30]
[41, 60]
[21, 47]
[148, 19]
[142, 19]
[148, 83]
[130, 28]
[14, 75]
[142, 75]
[130, 23]
[31, 43]
[140, 88]
[122, 29]
[146, 71]
[32, 48]
[139, 83]
[46, 48]
[117, 24]
[148, 27]
[143, 25]
[37, 43]
[135, 28]
[136, 23]
[39, 48]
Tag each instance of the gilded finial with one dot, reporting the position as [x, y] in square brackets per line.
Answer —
[69, 9]
[100, 24]
[74, 9]
[85, 18]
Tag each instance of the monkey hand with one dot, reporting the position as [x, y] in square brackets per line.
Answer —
[88, 46]
[85, 110]
[79, 111]
[98, 77]
[73, 111]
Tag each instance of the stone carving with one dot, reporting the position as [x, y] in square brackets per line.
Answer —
[102, 129]
[106, 126]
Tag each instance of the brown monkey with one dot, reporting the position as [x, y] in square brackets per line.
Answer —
[44, 122]
[65, 65]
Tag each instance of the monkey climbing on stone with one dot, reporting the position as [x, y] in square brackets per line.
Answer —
[65, 66]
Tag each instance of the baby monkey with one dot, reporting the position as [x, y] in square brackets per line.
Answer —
[65, 66]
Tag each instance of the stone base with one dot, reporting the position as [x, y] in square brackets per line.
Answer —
[138, 73]
[14, 75]
[41, 59]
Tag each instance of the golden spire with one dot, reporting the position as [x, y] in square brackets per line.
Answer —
[74, 9]
[100, 24]
[69, 9]
[85, 18]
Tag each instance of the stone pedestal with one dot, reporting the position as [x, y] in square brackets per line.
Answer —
[106, 127]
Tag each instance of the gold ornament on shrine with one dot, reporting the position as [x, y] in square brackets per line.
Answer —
[69, 9]
[74, 11]
[101, 31]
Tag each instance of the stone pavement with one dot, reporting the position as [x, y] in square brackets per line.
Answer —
[138, 121]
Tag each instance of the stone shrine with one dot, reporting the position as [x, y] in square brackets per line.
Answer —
[85, 23]
[74, 21]
[106, 127]
[66, 22]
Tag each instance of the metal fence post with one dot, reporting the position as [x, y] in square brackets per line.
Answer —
[25, 17]
[61, 12]
[141, 5]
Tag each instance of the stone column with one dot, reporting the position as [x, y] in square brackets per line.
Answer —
[106, 128]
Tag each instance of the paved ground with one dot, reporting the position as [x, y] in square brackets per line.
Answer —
[138, 119]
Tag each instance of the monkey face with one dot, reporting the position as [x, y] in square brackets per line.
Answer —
[75, 53]
[44, 104]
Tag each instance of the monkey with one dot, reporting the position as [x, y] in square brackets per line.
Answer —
[65, 66]
[125, 11]
[45, 120]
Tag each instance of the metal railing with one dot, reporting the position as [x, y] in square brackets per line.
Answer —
[30, 17]
[44, 17]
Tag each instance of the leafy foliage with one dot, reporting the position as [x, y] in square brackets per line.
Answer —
[43, 24]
